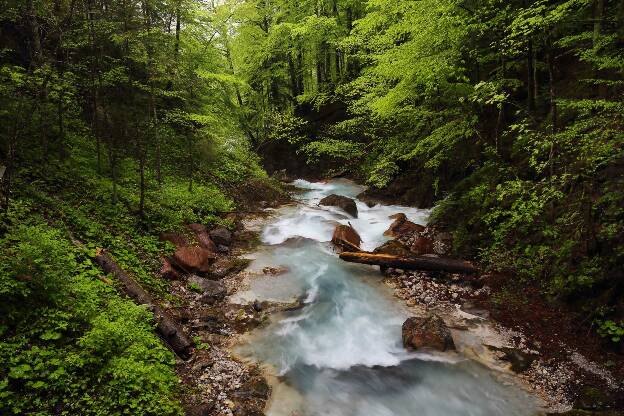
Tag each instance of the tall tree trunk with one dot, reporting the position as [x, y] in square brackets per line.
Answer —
[61, 116]
[35, 47]
[598, 18]
[190, 162]
[551, 86]
[177, 32]
[294, 89]
[530, 79]
[142, 184]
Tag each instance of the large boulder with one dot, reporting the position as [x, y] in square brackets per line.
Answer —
[221, 236]
[402, 226]
[194, 259]
[394, 248]
[343, 202]
[427, 332]
[346, 237]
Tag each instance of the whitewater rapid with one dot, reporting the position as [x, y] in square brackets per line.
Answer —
[341, 354]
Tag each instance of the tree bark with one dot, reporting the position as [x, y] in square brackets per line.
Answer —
[598, 17]
[171, 332]
[530, 79]
[412, 263]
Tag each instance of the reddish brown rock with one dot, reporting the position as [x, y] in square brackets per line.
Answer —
[346, 204]
[402, 225]
[194, 259]
[176, 239]
[346, 237]
[427, 332]
[206, 242]
[421, 246]
[168, 272]
[394, 248]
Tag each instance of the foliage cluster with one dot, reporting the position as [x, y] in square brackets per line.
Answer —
[508, 112]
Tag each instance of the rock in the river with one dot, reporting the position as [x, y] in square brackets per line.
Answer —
[221, 236]
[343, 202]
[193, 259]
[346, 237]
[402, 225]
[395, 248]
[427, 332]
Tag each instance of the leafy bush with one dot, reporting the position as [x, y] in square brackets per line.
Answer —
[68, 344]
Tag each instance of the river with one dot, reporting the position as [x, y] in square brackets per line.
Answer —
[341, 354]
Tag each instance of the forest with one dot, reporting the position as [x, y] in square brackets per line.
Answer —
[121, 120]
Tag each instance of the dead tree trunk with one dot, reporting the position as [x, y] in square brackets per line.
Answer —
[167, 327]
[411, 263]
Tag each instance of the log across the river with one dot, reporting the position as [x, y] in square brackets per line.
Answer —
[410, 263]
[166, 325]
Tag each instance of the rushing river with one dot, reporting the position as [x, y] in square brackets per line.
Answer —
[341, 354]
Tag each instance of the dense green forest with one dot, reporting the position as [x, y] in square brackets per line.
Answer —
[123, 119]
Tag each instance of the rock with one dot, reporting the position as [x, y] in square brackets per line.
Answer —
[394, 248]
[592, 398]
[402, 225]
[256, 387]
[176, 239]
[275, 271]
[211, 291]
[221, 236]
[206, 242]
[223, 267]
[342, 202]
[346, 237]
[223, 249]
[168, 272]
[421, 246]
[520, 360]
[427, 332]
[193, 259]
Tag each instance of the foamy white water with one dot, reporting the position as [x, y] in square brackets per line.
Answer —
[342, 353]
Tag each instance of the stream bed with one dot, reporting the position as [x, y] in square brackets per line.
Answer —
[341, 353]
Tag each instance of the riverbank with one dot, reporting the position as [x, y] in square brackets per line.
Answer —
[546, 344]
[214, 381]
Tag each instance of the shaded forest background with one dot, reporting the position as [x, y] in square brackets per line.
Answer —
[122, 119]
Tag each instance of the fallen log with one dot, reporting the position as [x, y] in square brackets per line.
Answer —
[410, 263]
[166, 325]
